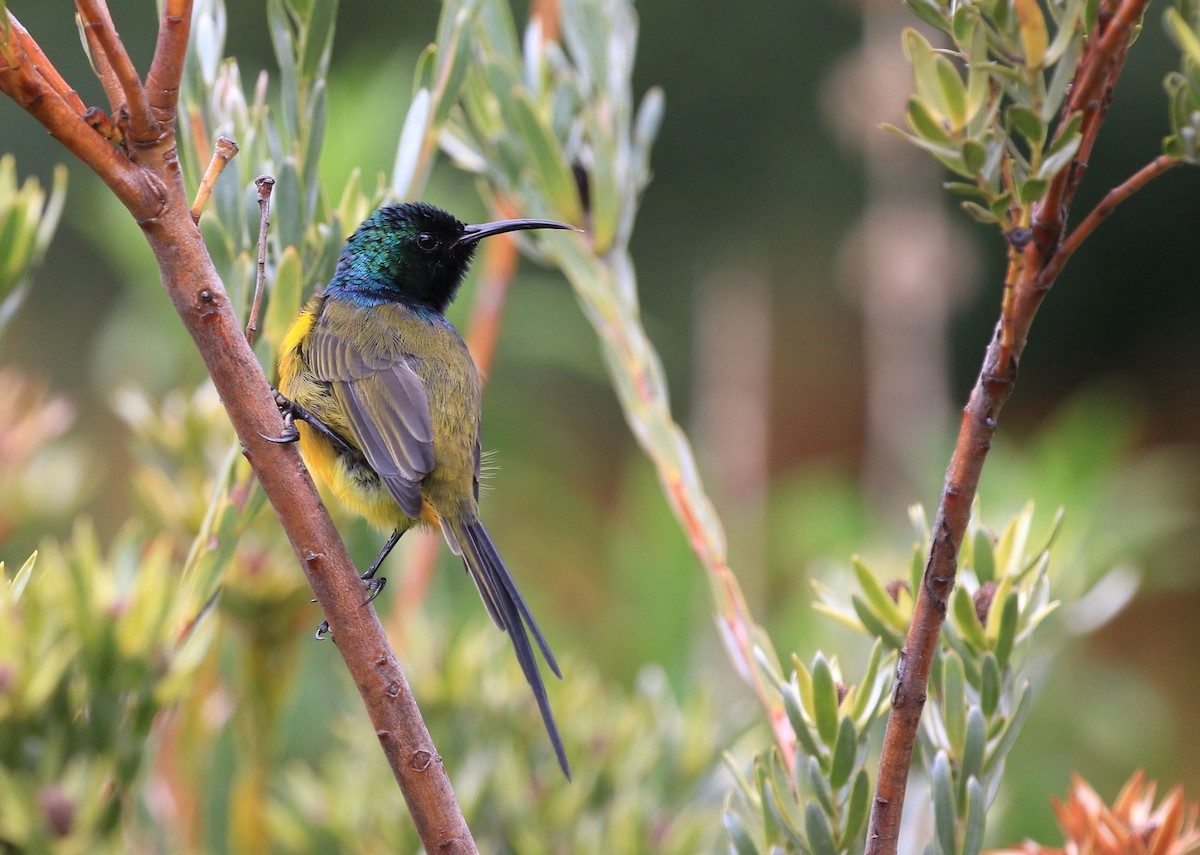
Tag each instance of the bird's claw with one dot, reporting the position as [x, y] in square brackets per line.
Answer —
[323, 631]
[374, 586]
[292, 413]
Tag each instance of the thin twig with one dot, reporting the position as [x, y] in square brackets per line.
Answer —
[225, 150]
[104, 69]
[1104, 209]
[265, 184]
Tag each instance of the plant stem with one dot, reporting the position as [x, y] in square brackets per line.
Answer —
[1031, 272]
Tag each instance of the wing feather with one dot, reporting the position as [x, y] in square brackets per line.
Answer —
[382, 396]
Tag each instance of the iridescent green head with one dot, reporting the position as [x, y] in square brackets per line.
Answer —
[414, 254]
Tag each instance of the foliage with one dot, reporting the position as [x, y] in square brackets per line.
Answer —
[93, 645]
[645, 764]
[28, 220]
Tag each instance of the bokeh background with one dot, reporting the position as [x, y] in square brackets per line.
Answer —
[821, 311]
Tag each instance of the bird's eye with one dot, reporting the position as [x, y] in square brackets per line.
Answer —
[427, 242]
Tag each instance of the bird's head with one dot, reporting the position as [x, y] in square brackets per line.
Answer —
[415, 254]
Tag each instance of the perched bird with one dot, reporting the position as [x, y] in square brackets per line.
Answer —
[384, 399]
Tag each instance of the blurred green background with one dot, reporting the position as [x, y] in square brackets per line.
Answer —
[759, 287]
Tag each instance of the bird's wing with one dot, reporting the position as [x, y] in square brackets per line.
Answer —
[383, 398]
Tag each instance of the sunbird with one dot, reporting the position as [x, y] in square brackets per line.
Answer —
[384, 398]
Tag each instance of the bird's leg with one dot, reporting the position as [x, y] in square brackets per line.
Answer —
[374, 586]
[293, 412]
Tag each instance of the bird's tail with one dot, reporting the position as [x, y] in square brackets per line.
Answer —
[509, 611]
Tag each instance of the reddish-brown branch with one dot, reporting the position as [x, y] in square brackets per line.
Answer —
[1104, 209]
[30, 90]
[104, 69]
[1091, 93]
[152, 189]
[1031, 273]
[97, 20]
[43, 67]
[166, 69]
[224, 151]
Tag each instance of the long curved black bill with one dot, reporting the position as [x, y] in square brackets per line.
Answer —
[473, 233]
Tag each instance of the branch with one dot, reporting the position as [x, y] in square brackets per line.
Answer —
[153, 191]
[96, 18]
[166, 69]
[1104, 209]
[104, 69]
[1032, 269]
[41, 91]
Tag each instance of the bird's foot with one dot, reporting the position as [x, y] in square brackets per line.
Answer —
[374, 585]
[292, 413]
[323, 631]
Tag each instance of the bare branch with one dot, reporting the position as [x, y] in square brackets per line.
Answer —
[27, 85]
[265, 184]
[43, 66]
[225, 150]
[143, 127]
[1104, 209]
[166, 69]
[104, 69]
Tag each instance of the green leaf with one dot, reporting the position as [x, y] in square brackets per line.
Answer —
[318, 38]
[1032, 190]
[1028, 123]
[861, 710]
[929, 11]
[825, 702]
[1182, 34]
[989, 690]
[954, 91]
[979, 214]
[288, 207]
[925, 74]
[554, 177]
[1009, 731]
[284, 302]
[739, 837]
[818, 830]
[856, 809]
[976, 818]
[1006, 634]
[944, 811]
[406, 183]
[966, 621]
[954, 700]
[1059, 158]
[874, 625]
[818, 786]
[1064, 73]
[880, 600]
[845, 751]
[926, 125]
[971, 759]
[974, 155]
[984, 556]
